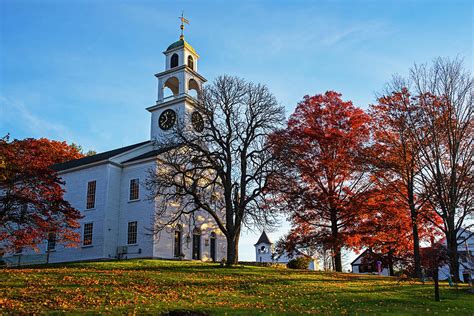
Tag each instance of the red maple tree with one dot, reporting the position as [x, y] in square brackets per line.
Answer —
[385, 227]
[324, 184]
[32, 208]
[395, 159]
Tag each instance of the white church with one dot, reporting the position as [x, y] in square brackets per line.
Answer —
[108, 187]
[265, 253]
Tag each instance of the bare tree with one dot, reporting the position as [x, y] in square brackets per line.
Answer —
[443, 127]
[221, 167]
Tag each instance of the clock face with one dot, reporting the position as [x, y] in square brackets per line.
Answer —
[167, 119]
[198, 122]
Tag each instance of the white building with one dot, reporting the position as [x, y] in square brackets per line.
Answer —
[265, 252]
[366, 264]
[466, 257]
[108, 187]
[264, 249]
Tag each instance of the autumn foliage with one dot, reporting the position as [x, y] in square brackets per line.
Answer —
[385, 227]
[31, 201]
[323, 185]
[352, 179]
[394, 158]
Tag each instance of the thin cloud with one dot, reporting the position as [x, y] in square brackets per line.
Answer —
[16, 112]
[354, 33]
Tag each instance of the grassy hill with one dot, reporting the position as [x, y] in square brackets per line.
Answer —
[154, 286]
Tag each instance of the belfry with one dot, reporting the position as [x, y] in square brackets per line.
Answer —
[179, 86]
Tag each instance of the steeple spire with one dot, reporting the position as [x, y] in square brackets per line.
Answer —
[183, 20]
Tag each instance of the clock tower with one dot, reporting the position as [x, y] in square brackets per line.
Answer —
[178, 88]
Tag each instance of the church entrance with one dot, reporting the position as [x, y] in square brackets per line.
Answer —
[196, 244]
[213, 246]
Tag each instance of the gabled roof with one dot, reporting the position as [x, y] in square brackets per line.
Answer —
[95, 158]
[359, 256]
[264, 239]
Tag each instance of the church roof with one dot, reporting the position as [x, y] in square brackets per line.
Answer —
[181, 43]
[94, 158]
[264, 239]
[151, 153]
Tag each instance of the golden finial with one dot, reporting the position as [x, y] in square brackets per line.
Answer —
[183, 20]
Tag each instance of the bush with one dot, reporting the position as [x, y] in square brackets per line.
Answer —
[298, 263]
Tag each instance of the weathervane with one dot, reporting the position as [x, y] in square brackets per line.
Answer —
[183, 20]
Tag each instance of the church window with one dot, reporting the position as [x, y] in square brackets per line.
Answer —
[174, 61]
[190, 62]
[91, 187]
[51, 241]
[134, 189]
[132, 233]
[87, 235]
[178, 235]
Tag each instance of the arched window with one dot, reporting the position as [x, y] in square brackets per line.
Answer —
[174, 61]
[193, 88]
[190, 62]
[171, 87]
[178, 235]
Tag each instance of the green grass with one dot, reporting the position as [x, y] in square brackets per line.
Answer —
[154, 286]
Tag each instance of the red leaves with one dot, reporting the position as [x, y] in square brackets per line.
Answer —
[31, 204]
[325, 183]
[342, 192]
[396, 168]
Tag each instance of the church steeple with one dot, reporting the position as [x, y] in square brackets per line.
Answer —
[179, 86]
[264, 249]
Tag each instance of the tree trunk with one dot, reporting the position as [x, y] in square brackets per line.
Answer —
[416, 237]
[390, 263]
[337, 259]
[452, 246]
[436, 284]
[416, 250]
[335, 240]
[232, 251]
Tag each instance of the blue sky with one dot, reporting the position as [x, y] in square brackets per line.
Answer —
[82, 71]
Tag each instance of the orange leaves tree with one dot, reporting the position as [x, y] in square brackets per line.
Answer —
[32, 207]
[440, 125]
[385, 227]
[395, 159]
[323, 184]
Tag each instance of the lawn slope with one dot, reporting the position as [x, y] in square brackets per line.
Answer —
[154, 286]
